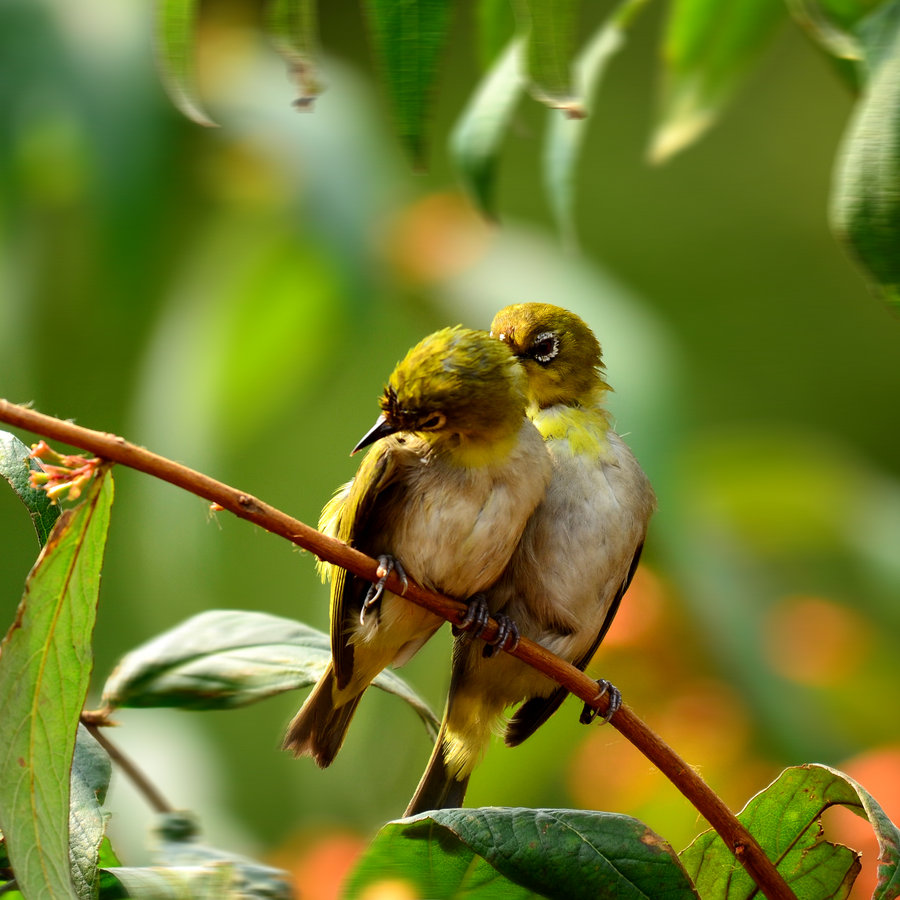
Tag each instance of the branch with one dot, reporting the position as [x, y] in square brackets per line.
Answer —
[692, 786]
[138, 778]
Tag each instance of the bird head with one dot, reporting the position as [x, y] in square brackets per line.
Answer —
[455, 383]
[558, 351]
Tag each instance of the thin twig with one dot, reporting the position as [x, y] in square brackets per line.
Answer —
[692, 786]
[138, 778]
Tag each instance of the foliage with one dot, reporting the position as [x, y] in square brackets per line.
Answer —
[708, 49]
[201, 287]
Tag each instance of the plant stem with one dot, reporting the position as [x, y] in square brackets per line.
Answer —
[692, 786]
[138, 778]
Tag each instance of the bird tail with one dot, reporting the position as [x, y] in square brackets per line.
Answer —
[319, 727]
[439, 788]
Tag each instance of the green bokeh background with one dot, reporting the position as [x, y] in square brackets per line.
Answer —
[235, 297]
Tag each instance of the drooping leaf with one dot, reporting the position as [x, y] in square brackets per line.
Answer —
[177, 846]
[550, 852]
[549, 30]
[293, 26]
[495, 26]
[476, 137]
[565, 135]
[15, 466]
[175, 34]
[91, 771]
[225, 658]
[45, 665]
[786, 820]
[408, 37]
[161, 883]
[865, 205]
[708, 48]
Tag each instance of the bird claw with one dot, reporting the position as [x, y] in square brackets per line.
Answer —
[588, 714]
[506, 638]
[386, 565]
[475, 622]
[476, 618]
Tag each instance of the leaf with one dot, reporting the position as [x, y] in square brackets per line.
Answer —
[178, 847]
[495, 26]
[786, 820]
[293, 26]
[407, 38]
[550, 852]
[45, 666]
[708, 48]
[161, 883]
[15, 466]
[175, 24]
[475, 139]
[225, 658]
[549, 28]
[565, 135]
[91, 770]
[865, 206]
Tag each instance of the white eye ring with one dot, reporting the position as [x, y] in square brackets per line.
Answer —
[550, 354]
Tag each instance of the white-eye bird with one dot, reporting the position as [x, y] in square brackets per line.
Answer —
[455, 472]
[576, 558]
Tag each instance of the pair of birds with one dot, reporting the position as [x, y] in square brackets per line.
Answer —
[495, 476]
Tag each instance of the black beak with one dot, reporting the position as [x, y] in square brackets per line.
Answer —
[381, 428]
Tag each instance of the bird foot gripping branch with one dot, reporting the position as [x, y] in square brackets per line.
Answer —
[386, 565]
[475, 621]
[588, 714]
[62, 475]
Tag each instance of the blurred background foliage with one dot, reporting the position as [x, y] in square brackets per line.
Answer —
[235, 297]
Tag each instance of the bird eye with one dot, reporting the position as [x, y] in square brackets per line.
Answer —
[545, 347]
[433, 422]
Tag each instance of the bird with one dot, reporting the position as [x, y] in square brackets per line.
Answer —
[578, 554]
[454, 472]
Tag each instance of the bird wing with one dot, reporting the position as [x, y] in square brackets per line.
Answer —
[357, 522]
[534, 712]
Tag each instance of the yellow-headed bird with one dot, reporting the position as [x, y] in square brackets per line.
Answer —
[444, 494]
[576, 559]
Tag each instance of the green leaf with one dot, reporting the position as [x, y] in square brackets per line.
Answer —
[293, 27]
[178, 847]
[786, 820]
[547, 852]
[549, 27]
[565, 135]
[15, 466]
[45, 666]
[475, 140]
[225, 658]
[495, 26]
[162, 883]
[175, 33]
[91, 771]
[408, 36]
[708, 48]
[865, 206]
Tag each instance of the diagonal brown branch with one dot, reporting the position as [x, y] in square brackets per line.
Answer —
[692, 786]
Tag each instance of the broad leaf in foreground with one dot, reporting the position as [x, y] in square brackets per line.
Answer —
[499, 852]
[786, 820]
[16, 467]
[225, 658]
[45, 666]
